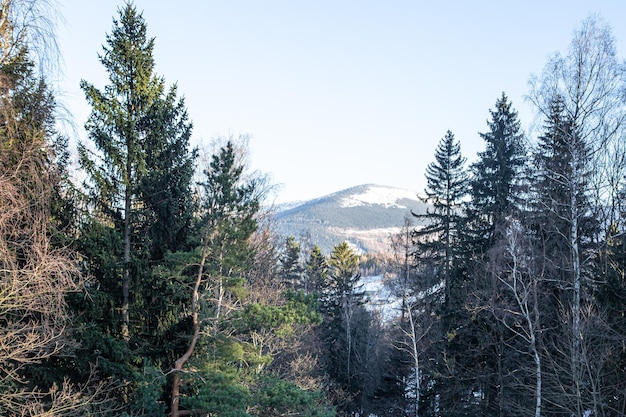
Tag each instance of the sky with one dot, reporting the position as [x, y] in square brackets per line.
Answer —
[334, 94]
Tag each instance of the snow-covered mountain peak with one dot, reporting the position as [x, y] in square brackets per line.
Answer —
[365, 215]
[389, 197]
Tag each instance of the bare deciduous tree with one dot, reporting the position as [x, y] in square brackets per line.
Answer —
[513, 264]
[589, 81]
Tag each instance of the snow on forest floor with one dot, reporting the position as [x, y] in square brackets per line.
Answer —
[380, 297]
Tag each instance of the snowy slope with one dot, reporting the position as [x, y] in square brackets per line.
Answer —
[366, 216]
[388, 197]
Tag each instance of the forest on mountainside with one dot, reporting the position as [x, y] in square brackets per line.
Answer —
[157, 286]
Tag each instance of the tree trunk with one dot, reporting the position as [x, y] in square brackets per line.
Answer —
[576, 276]
[180, 362]
[537, 380]
[126, 273]
[416, 364]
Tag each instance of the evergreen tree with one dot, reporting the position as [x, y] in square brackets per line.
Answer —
[290, 267]
[346, 325]
[588, 81]
[439, 240]
[139, 208]
[228, 209]
[497, 176]
[115, 169]
[566, 227]
[139, 174]
[561, 154]
[315, 270]
[238, 326]
[468, 356]
[165, 188]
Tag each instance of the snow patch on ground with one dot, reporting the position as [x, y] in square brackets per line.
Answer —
[384, 196]
[369, 240]
[380, 297]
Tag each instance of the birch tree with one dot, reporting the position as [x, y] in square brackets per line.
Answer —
[586, 84]
[514, 264]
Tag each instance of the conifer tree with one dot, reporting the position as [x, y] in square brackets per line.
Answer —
[228, 209]
[237, 327]
[561, 154]
[165, 189]
[229, 206]
[139, 207]
[140, 171]
[290, 267]
[346, 323]
[439, 240]
[566, 226]
[472, 342]
[316, 270]
[588, 81]
[497, 176]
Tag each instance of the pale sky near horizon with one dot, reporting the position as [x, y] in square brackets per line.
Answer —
[335, 94]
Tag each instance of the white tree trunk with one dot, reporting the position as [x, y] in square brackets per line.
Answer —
[416, 362]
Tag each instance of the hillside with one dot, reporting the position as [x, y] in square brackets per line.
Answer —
[366, 216]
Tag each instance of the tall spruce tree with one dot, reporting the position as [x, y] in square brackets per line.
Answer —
[139, 173]
[497, 176]
[561, 154]
[589, 80]
[139, 207]
[566, 227]
[472, 342]
[438, 242]
[437, 284]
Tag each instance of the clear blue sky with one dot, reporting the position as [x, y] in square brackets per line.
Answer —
[338, 93]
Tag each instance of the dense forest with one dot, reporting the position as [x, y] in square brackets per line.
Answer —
[156, 285]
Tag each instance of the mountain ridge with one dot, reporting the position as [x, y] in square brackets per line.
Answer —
[365, 215]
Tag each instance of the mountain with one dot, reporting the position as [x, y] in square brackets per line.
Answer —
[366, 216]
